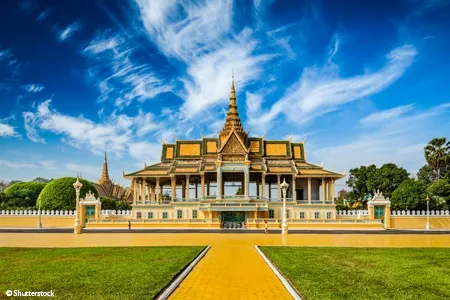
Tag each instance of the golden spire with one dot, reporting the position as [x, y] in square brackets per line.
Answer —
[232, 122]
[105, 176]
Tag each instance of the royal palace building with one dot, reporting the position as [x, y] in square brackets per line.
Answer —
[233, 180]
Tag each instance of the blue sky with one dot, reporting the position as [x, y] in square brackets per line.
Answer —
[363, 81]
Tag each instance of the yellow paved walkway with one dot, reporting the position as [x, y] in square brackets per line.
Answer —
[232, 269]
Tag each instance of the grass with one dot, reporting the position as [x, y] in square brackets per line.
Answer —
[365, 273]
[93, 273]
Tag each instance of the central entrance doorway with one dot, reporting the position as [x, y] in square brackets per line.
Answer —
[233, 219]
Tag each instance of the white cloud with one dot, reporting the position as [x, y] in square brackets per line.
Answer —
[85, 171]
[33, 88]
[199, 34]
[16, 165]
[114, 134]
[400, 140]
[118, 75]
[48, 164]
[321, 90]
[67, 32]
[7, 130]
[386, 115]
[145, 151]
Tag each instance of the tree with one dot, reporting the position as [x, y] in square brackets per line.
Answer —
[359, 180]
[60, 193]
[239, 191]
[364, 180]
[411, 194]
[27, 191]
[108, 203]
[439, 192]
[426, 174]
[437, 155]
[388, 178]
[41, 179]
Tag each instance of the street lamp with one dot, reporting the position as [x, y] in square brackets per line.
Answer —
[428, 213]
[284, 226]
[39, 226]
[77, 227]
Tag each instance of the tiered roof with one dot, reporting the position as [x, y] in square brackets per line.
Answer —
[234, 146]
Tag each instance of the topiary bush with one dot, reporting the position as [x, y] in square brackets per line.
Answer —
[60, 193]
[27, 191]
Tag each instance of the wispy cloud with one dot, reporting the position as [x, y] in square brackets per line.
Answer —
[67, 32]
[321, 90]
[33, 88]
[48, 164]
[7, 130]
[199, 35]
[118, 133]
[386, 115]
[118, 75]
[16, 165]
[398, 138]
[43, 15]
[86, 171]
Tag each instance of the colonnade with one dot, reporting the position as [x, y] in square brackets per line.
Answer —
[144, 190]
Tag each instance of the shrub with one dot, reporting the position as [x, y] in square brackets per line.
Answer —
[60, 193]
[109, 203]
[24, 193]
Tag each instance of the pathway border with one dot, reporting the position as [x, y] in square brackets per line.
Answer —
[283, 280]
[175, 283]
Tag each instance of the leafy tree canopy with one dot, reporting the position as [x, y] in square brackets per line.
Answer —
[365, 179]
[41, 179]
[439, 192]
[60, 193]
[109, 203]
[411, 194]
[27, 191]
[437, 155]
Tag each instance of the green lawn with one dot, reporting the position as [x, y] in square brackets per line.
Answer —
[365, 273]
[93, 273]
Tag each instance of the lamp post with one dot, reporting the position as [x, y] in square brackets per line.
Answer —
[39, 226]
[77, 227]
[284, 226]
[428, 213]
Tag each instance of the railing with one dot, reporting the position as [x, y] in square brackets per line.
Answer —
[420, 213]
[318, 221]
[108, 212]
[231, 204]
[163, 221]
[36, 212]
[352, 212]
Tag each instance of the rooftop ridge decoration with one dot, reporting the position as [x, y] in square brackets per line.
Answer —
[105, 175]
[232, 122]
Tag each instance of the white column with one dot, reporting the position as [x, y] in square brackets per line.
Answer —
[294, 192]
[187, 186]
[219, 183]
[247, 183]
[135, 191]
[278, 186]
[263, 185]
[324, 190]
[309, 190]
[202, 179]
[158, 192]
[143, 190]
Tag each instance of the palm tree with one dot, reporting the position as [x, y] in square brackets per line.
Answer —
[437, 154]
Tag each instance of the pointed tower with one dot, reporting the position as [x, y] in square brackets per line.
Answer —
[232, 122]
[105, 176]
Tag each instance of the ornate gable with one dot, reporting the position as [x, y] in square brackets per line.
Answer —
[233, 145]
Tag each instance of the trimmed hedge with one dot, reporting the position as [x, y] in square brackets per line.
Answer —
[59, 194]
[28, 191]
